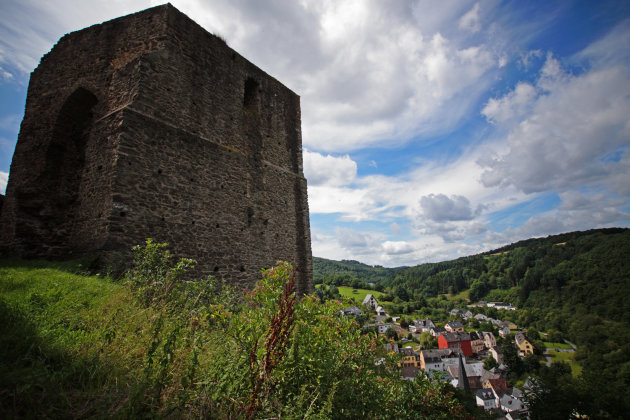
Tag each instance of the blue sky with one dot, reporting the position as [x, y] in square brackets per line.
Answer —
[431, 130]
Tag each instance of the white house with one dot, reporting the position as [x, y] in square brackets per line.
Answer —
[485, 398]
[489, 340]
[439, 360]
[423, 325]
[370, 301]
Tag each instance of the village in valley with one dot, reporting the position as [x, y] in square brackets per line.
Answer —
[457, 353]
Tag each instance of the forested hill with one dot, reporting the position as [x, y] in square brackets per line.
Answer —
[348, 269]
[508, 273]
[512, 272]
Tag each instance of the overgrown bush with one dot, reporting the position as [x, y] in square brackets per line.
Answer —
[153, 276]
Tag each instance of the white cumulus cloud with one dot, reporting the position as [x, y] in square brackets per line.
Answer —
[573, 123]
[322, 169]
[439, 207]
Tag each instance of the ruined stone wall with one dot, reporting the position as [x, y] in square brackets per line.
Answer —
[148, 126]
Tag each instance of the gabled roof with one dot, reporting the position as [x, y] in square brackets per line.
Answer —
[498, 385]
[423, 322]
[475, 336]
[455, 324]
[517, 393]
[486, 374]
[367, 299]
[408, 351]
[520, 338]
[485, 394]
[352, 310]
[409, 371]
[456, 337]
[511, 403]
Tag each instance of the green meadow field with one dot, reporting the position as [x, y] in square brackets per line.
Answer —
[357, 294]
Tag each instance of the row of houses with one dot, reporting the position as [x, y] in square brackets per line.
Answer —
[489, 387]
[448, 362]
[496, 305]
[426, 325]
[504, 326]
[497, 397]
[469, 343]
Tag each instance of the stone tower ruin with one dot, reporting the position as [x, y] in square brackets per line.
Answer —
[149, 126]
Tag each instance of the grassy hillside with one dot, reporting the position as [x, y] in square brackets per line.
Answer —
[70, 345]
[152, 346]
[357, 294]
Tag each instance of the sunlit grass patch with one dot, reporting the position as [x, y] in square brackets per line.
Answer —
[357, 294]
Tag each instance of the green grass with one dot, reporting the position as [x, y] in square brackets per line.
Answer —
[561, 346]
[70, 345]
[457, 298]
[464, 294]
[357, 294]
[567, 357]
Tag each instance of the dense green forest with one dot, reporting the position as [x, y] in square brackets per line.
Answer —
[343, 272]
[574, 286]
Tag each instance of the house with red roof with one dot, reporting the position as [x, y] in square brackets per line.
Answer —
[456, 340]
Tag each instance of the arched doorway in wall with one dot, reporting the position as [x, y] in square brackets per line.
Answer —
[60, 181]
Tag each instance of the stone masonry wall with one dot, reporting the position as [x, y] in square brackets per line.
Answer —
[148, 126]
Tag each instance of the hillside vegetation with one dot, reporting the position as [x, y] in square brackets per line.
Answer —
[152, 345]
[324, 269]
